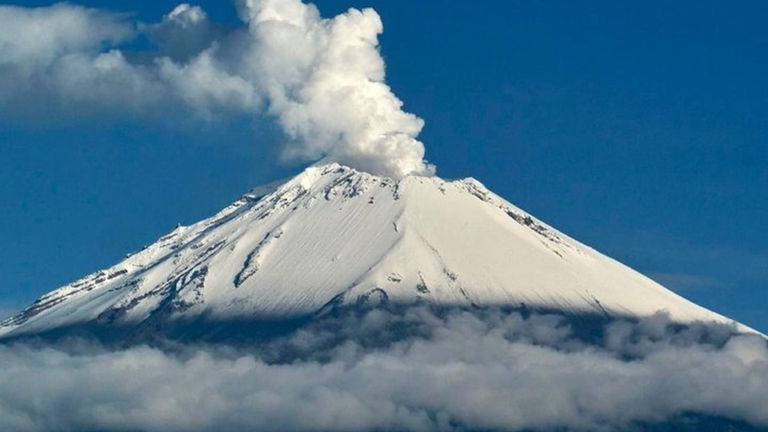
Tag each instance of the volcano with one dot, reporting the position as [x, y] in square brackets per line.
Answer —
[334, 237]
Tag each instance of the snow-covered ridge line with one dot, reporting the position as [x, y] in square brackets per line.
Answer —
[334, 236]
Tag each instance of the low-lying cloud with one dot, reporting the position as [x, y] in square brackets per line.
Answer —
[323, 80]
[413, 370]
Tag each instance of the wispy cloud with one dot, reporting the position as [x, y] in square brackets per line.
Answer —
[7, 309]
[726, 277]
[663, 253]
[322, 79]
[686, 282]
[415, 370]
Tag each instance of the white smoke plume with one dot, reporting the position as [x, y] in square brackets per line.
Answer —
[322, 79]
[409, 371]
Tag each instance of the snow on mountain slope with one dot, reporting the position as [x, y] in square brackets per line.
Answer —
[336, 236]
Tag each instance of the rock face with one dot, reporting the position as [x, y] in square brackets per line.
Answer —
[333, 236]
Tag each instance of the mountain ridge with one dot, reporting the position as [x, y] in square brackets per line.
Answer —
[335, 236]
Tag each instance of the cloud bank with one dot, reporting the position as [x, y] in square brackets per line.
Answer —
[322, 79]
[415, 370]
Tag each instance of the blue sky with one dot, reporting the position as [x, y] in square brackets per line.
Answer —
[637, 128]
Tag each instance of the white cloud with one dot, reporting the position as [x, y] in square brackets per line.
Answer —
[184, 32]
[322, 79]
[414, 370]
[203, 84]
[32, 38]
[325, 81]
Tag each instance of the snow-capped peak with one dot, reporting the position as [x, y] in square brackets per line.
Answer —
[332, 236]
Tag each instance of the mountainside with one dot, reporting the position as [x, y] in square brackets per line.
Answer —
[333, 236]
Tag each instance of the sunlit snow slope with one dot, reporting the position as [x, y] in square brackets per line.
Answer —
[334, 236]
